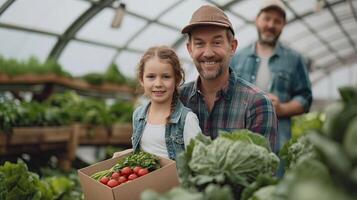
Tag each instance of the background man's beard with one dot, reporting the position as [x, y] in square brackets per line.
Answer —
[268, 41]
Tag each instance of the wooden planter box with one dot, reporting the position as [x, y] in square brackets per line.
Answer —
[39, 135]
[3, 141]
[62, 140]
[121, 134]
[92, 135]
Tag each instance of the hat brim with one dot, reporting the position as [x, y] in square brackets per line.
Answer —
[188, 28]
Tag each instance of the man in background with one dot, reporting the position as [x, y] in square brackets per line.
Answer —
[278, 70]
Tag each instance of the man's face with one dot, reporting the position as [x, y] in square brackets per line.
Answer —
[270, 24]
[211, 50]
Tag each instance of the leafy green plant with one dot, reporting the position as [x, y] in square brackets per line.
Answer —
[233, 160]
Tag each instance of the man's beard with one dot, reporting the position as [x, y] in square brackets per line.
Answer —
[210, 76]
[271, 41]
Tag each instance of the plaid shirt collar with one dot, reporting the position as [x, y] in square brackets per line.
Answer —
[278, 50]
[225, 92]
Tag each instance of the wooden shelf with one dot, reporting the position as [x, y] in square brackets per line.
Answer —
[118, 134]
[33, 140]
[62, 140]
[33, 82]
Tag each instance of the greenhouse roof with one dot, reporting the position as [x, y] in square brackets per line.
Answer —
[79, 35]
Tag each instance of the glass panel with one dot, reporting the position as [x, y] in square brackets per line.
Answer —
[154, 35]
[346, 52]
[342, 9]
[22, 45]
[332, 1]
[247, 8]
[308, 42]
[80, 58]
[246, 36]
[302, 6]
[327, 88]
[2, 2]
[191, 73]
[350, 26]
[50, 15]
[127, 62]
[236, 21]
[182, 51]
[340, 43]
[312, 52]
[181, 14]
[222, 2]
[331, 32]
[294, 29]
[328, 59]
[319, 18]
[99, 28]
[150, 10]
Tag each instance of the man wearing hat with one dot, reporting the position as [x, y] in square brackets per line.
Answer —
[276, 69]
[221, 100]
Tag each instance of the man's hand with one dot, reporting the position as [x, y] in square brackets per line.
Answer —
[276, 103]
[287, 109]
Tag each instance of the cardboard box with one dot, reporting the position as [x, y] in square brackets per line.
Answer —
[160, 180]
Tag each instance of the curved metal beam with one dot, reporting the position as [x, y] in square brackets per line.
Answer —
[76, 26]
[5, 6]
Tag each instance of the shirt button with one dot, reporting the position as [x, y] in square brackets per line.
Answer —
[257, 60]
[253, 77]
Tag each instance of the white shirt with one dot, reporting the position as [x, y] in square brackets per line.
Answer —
[153, 138]
[263, 74]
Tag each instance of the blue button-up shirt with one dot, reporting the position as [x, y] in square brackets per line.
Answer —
[290, 80]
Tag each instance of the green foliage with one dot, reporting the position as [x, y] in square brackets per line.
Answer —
[262, 181]
[212, 192]
[14, 67]
[94, 78]
[18, 183]
[233, 160]
[113, 75]
[63, 109]
[307, 122]
[296, 149]
[121, 111]
[247, 136]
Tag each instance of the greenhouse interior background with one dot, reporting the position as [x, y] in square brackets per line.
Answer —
[79, 35]
[87, 36]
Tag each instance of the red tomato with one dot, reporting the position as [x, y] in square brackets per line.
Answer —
[136, 169]
[122, 179]
[115, 175]
[112, 183]
[143, 171]
[126, 171]
[104, 180]
[132, 176]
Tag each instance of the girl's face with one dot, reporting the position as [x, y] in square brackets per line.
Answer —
[158, 81]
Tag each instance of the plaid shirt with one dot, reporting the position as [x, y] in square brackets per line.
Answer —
[238, 106]
[290, 80]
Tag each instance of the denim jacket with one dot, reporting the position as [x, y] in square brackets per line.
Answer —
[173, 130]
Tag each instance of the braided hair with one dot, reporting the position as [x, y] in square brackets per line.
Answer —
[167, 55]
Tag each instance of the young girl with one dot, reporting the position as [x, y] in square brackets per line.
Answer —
[162, 126]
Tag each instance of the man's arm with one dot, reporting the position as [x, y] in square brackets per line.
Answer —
[261, 118]
[287, 109]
